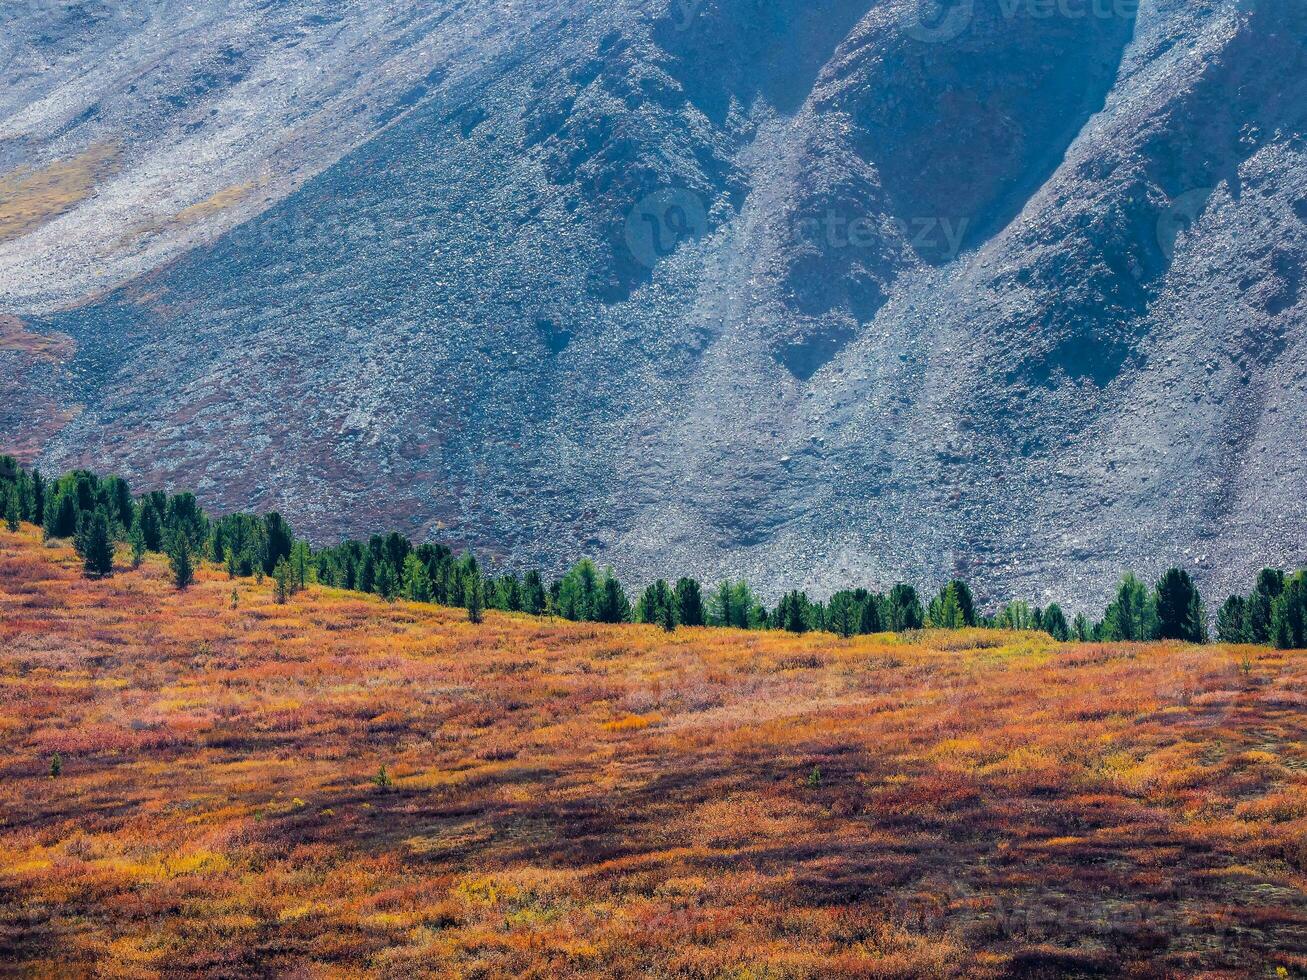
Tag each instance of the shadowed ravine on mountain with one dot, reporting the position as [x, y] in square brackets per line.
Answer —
[806, 293]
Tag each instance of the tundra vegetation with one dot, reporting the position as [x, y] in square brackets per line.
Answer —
[245, 778]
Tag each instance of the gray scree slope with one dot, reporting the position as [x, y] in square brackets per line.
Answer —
[806, 291]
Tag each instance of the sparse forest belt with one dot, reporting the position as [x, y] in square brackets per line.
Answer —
[99, 513]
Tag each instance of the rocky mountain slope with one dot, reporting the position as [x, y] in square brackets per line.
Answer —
[803, 291]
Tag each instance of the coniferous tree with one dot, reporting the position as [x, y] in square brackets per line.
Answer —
[1055, 624]
[649, 609]
[794, 614]
[95, 544]
[720, 606]
[281, 576]
[417, 580]
[905, 612]
[611, 604]
[959, 595]
[1257, 613]
[218, 543]
[746, 611]
[37, 513]
[137, 542]
[1016, 615]
[23, 491]
[871, 620]
[577, 592]
[1230, 625]
[668, 619]
[387, 584]
[151, 524]
[12, 515]
[1082, 629]
[476, 599]
[180, 561]
[183, 515]
[1132, 616]
[118, 499]
[1289, 614]
[366, 580]
[945, 611]
[280, 540]
[844, 615]
[62, 516]
[301, 560]
[1180, 614]
[510, 592]
[533, 593]
[688, 597]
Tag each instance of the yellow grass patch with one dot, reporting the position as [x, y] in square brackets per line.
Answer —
[30, 197]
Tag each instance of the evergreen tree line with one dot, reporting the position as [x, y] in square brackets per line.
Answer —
[1274, 613]
[97, 513]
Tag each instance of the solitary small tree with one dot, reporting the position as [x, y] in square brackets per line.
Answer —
[475, 591]
[179, 560]
[281, 576]
[301, 557]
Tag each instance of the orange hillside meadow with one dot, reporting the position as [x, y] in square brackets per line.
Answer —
[193, 785]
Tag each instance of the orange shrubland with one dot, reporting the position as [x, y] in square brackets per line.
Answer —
[572, 799]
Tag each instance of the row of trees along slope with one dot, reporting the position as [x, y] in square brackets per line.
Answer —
[100, 513]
